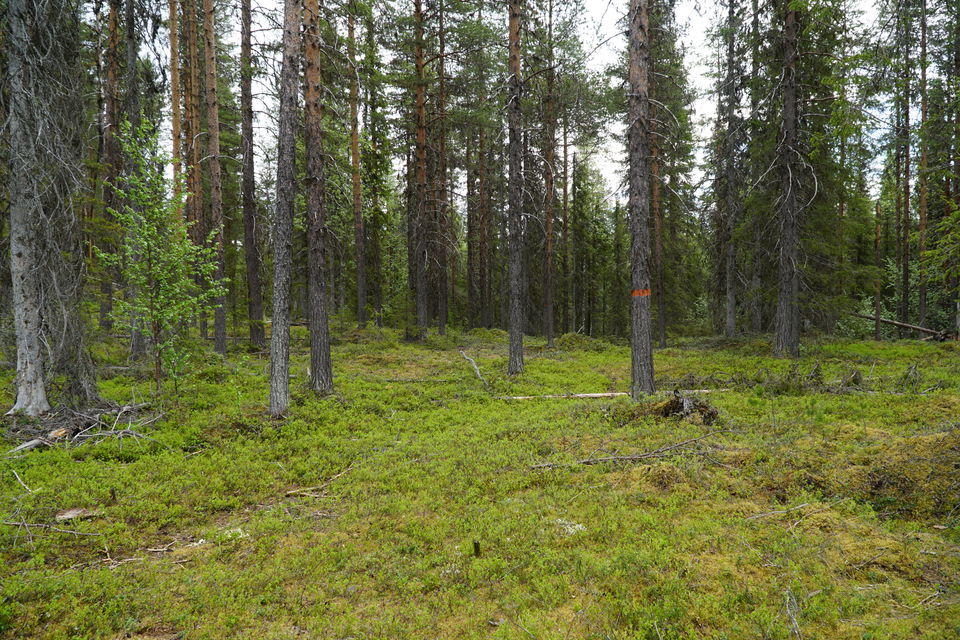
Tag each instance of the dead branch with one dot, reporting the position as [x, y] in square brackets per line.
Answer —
[647, 455]
[318, 491]
[476, 368]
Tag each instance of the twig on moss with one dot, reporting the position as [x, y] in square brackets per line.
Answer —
[656, 453]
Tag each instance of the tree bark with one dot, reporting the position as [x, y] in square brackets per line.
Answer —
[515, 269]
[358, 232]
[905, 141]
[549, 187]
[922, 174]
[321, 371]
[283, 220]
[248, 186]
[638, 150]
[111, 151]
[878, 264]
[174, 27]
[213, 152]
[420, 210]
[730, 176]
[787, 321]
[661, 292]
[25, 210]
[444, 230]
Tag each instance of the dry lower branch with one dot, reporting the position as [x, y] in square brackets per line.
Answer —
[476, 368]
[647, 455]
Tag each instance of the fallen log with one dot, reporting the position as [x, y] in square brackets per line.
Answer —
[934, 333]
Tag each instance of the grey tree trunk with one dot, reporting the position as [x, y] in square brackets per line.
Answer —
[251, 253]
[138, 343]
[730, 177]
[420, 210]
[321, 372]
[358, 232]
[787, 320]
[283, 219]
[24, 215]
[515, 269]
[638, 150]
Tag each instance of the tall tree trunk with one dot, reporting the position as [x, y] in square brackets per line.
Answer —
[905, 141]
[878, 263]
[283, 218]
[213, 152]
[730, 176]
[175, 117]
[321, 371]
[922, 174]
[358, 232]
[444, 232]
[565, 235]
[787, 321]
[111, 150]
[549, 187]
[661, 292]
[473, 280]
[515, 270]
[194, 135]
[138, 343]
[638, 150]
[248, 186]
[486, 232]
[25, 212]
[420, 211]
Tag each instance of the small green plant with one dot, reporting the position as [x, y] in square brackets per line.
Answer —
[158, 262]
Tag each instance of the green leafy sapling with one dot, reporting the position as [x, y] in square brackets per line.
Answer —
[158, 262]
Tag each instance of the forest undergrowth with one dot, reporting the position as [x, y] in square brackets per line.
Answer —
[816, 498]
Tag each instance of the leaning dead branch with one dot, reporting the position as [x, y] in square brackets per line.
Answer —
[684, 446]
[476, 369]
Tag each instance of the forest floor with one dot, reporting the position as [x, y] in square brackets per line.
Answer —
[823, 501]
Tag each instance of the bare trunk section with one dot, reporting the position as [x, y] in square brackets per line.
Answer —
[905, 141]
[878, 263]
[358, 232]
[657, 208]
[174, 27]
[24, 215]
[444, 232]
[730, 177]
[787, 321]
[922, 173]
[515, 269]
[283, 220]
[321, 372]
[251, 252]
[138, 342]
[638, 151]
[420, 210]
[111, 151]
[213, 151]
[549, 186]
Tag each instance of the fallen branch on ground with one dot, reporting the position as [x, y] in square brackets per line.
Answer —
[311, 492]
[613, 394]
[476, 368]
[647, 455]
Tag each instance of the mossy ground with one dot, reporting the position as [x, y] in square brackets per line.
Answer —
[827, 507]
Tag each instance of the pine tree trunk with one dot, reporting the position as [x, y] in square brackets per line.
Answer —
[174, 27]
[213, 159]
[283, 218]
[565, 236]
[787, 321]
[358, 232]
[248, 185]
[420, 210]
[515, 269]
[730, 177]
[878, 263]
[111, 152]
[25, 212]
[905, 141]
[486, 233]
[549, 180]
[138, 343]
[321, 372]
[444, 232]
[638, 152]
[922, 174]
[661, 292]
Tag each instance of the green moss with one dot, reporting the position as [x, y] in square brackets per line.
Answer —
[357, 514]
